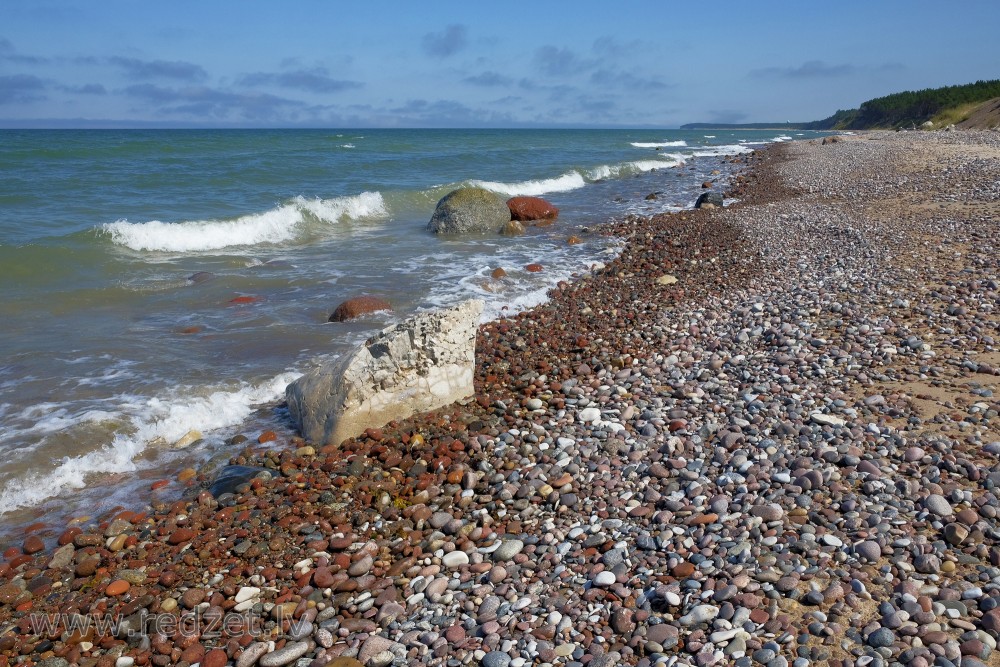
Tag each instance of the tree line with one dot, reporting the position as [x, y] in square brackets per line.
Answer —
[908, 108]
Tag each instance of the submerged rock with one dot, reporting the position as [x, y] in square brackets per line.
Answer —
[469, 210]
[421, 364]
[357, 307]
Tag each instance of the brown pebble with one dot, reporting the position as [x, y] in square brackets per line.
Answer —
[215, 658]
[33, 544]
[119, 587]
[181, 535]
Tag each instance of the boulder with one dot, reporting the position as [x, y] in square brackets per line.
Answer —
[357, 307]
[833, 139]
[469, 210]
[421, 364]
[709, 200]
[531, 208]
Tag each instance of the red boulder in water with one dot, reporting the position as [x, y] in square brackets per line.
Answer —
[531, 208]
[358, 306]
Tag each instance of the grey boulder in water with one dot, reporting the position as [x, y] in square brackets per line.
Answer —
[470, 210]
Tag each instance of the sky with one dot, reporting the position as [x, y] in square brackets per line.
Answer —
[437, 63]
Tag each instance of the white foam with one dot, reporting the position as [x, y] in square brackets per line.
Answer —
[157, 421]
[347, 145]
[720, 151]
[278, 225]
[339, 209]
[639, 166]
[569, 181]
[783, 137]
[661, 144]
[710, 136]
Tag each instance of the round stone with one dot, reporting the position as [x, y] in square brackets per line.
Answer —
[938, 505]
[455, 559]
[768, 512]
[604, 579]
[119, 587]
[508, 549]
[496, 659]
[881, 638]
[868, 550]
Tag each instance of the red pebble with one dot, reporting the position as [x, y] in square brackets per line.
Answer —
[245, 299]
[267, 436]
[181, 535]
[19, 561]
[215, 658]
[68, 536]
[533, 268]
[33, 544]
[119, 587]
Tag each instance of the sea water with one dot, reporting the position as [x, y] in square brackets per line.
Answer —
[160, 282]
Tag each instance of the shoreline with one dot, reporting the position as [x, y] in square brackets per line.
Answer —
[739, 464]
[176, 402]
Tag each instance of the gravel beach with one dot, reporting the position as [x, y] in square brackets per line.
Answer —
[764, 435]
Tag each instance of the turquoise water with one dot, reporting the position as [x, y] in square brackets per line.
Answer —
[161, 282]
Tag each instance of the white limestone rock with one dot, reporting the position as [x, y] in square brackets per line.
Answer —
[421, 364]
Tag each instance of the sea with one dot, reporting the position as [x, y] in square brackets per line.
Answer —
[159, 289]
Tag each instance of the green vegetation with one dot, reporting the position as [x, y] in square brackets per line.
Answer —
[955, 114]
[912, 108]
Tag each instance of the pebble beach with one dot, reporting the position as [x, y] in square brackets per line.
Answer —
[763, 435]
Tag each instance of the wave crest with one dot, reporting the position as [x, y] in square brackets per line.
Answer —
[659, 144]
[636, 167]
[569, 181]
[279, 225]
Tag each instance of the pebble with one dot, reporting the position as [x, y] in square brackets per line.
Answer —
[495, 659]
[604, 579]
[252, 653]
[284, 656]
[868, 550]
[455, 559]
[938, 505]
[699, 614]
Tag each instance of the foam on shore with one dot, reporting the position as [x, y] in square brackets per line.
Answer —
[155, 420]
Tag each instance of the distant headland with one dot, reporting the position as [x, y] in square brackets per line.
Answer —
[969, 106]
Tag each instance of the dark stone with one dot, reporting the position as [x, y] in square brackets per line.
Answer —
[231, 477]
[709, 198]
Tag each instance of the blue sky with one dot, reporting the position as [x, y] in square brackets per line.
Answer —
[81, 63]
